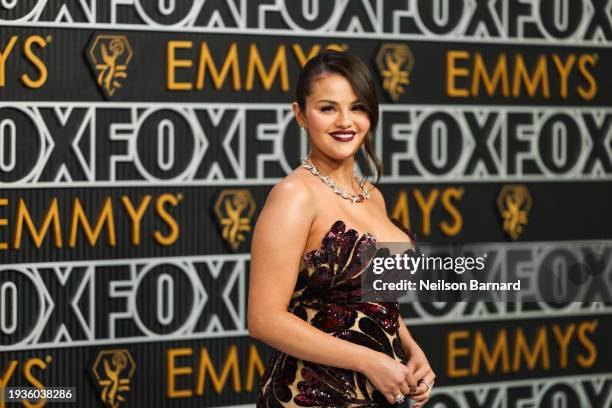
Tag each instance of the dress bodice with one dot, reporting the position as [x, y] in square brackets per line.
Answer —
[327, 295]
[332, 273]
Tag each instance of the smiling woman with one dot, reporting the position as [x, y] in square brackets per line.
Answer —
[306, 260]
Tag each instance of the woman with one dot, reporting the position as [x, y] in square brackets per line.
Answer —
[332, 349]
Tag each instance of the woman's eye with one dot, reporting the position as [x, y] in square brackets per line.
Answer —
[326, 108]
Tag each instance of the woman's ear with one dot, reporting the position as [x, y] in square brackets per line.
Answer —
[298, 114]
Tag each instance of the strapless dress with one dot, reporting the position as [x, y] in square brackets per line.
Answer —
[328, 296]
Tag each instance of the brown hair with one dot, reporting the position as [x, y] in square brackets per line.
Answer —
[358, 75]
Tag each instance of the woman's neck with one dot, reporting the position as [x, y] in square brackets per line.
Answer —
[340, 171]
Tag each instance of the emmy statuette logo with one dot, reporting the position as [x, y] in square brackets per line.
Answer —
[514, 202]
[394, 63]
[113, 370]
[234, 210]
[109, 56]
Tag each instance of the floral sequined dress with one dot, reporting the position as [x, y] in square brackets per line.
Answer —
[328, 296]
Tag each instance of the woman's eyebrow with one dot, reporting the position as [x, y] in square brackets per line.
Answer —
[334, 102]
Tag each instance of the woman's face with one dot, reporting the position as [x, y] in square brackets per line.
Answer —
[336, 120]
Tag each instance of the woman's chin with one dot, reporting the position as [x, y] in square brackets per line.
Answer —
[343, 151]
[344, 154]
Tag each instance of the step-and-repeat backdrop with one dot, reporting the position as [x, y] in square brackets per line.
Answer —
[139, 139]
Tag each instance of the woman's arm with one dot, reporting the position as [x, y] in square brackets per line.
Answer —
[279, 239]
[409, 345]
[418, 365]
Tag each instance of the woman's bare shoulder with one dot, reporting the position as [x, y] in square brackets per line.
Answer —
[294, 187]
[291, 196]
[288, 212]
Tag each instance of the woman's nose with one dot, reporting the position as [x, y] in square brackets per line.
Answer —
[344, 119]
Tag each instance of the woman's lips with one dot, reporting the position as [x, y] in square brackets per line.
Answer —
[343, 137]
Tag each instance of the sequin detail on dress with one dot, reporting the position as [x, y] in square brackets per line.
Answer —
[327, 295]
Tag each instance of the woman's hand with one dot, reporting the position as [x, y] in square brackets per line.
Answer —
[390, 376]
[420, 369]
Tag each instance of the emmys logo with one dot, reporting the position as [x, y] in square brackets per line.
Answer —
[394, 63]
[109, 56]
[234, 209]
[113, 369]
[514, 203]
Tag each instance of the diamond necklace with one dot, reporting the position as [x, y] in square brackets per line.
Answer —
[355, 198]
